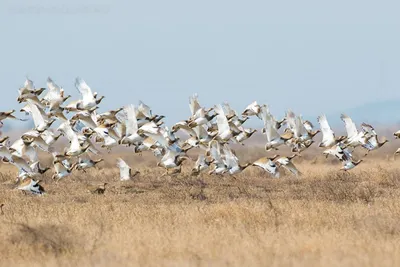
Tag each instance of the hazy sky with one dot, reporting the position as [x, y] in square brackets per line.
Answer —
[311, 56]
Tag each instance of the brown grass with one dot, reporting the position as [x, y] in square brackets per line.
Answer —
[326, 218]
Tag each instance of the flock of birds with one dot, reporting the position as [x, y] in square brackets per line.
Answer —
[210, 129]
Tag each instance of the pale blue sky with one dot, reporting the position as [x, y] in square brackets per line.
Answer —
[311, 56]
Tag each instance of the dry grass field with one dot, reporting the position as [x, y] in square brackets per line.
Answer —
[325, 218]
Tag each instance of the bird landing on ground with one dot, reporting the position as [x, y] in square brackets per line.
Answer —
[31, 186]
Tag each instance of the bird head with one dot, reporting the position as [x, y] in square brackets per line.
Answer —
[315, 133]
[384, 141]
[5, 138]
[98, 161]
[268, 147]
[245, 166]
[51, 122]
[66, 98]
[98, 101]
[252, 131]
[42, 171]
[274, 157]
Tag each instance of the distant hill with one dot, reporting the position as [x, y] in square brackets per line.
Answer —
[380, 113]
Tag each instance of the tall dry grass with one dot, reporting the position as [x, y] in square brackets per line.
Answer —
[325, 218]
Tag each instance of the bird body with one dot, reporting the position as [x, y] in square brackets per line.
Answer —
[31, 186]
[268, 165]
[84, 164]
[350, 164]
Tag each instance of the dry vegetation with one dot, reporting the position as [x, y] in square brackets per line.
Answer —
[325, 218]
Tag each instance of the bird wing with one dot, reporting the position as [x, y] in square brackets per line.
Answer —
[272, 168]
[300, 129]
[41, 143]
[215, 151]
[308, 126]
[47, 136]
[270, 130]
[75, 145]
[218, 109]
[264, 115]
[66, 128]
[291, 167]
[228, 110]
[200, 161]
[346, 154]
[54, 90]
[38, 119]
[200, 132]
[31, 153]
[35, 166]
[31, 133]
[283, 160]
[252, 106]
[150, 127]
[222, 121]
[120, 129]
[131, 120]
[267, 164]
[29, 84]
[60, 167]
[159, 137]
[291, 122]
[199, 114]
[169, 158]
[18, 145]
[124, 169]
[368, 129]
[84, 89]
[21, 164]
[372, 142]
[66, 164]
[351, 128]
[188, 130]
[145, 109]
[93, 115]
[260, 162]
[194, 104]
[5, 153]
[327, 133]
[230, 159]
